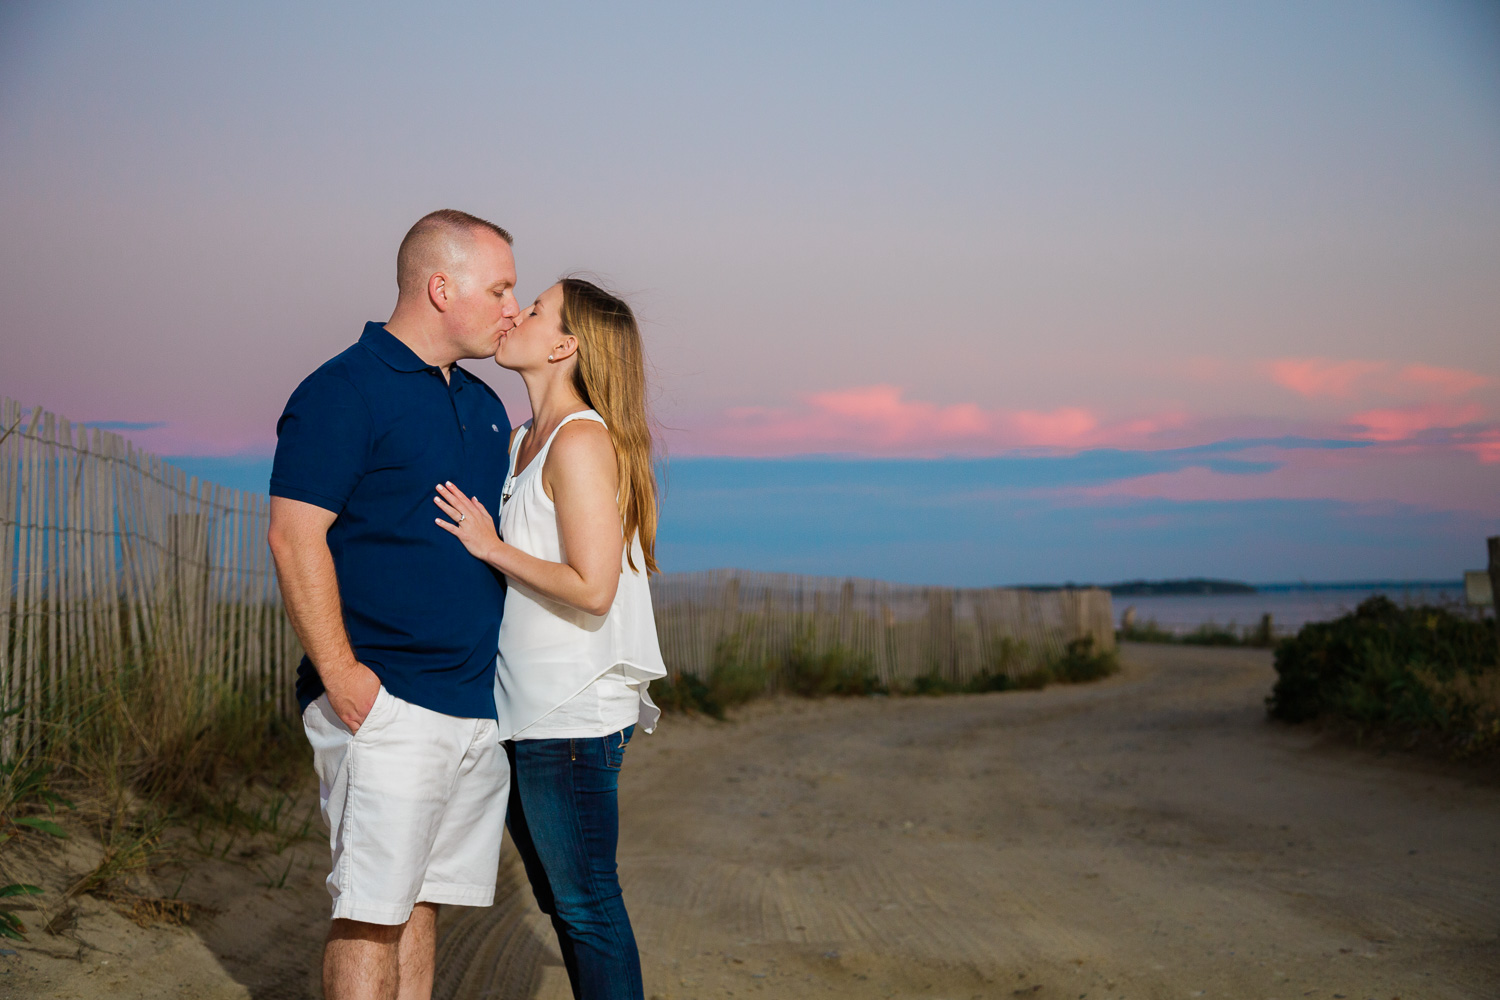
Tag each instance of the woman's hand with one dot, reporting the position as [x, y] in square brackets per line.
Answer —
[471, 522]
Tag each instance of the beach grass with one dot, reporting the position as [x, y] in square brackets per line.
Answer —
[1261, 636]
[735, 678]
[151, 751]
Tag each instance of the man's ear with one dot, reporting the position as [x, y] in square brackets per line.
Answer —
[438, 290]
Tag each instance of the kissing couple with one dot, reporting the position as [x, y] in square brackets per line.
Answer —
[416, 536]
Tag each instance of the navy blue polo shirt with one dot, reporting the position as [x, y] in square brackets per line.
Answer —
[368, 436]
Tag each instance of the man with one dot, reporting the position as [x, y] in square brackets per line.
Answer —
[399, 622]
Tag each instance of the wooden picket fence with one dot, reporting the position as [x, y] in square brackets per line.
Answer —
[112, 559]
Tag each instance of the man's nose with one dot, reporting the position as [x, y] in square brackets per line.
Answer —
[511, 307]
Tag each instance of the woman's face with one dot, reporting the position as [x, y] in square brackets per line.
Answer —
[537, 333]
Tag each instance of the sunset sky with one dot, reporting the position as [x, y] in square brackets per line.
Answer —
[959, 293]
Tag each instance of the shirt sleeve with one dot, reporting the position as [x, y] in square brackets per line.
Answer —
[322, 443]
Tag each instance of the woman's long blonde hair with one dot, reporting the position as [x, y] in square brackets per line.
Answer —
[611, 378]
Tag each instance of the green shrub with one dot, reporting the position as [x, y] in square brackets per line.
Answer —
[25, 787]
[1209, 634]
[1078, 664]
[1001, 657]
[987, 681]
[1081, 663]
[1033, 680]
[834, 671]
[934, 683]
[1147, 631]
[681, 692]
[1004, 654]
[734, 677]
[984, 682]
[1411, 669]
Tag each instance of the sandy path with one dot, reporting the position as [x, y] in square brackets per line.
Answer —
[257, 933]
[1151, 836]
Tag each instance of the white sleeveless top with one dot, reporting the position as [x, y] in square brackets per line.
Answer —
[550, 653]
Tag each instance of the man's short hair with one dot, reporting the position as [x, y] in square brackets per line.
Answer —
[436, 236]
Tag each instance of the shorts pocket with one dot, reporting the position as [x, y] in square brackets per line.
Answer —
[379, 712]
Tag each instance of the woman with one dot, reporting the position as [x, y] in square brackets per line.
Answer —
[578, 644]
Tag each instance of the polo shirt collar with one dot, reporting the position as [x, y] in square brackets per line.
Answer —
[384, 345]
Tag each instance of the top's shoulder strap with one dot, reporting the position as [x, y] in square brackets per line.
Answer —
[581, 415]
[515, 442]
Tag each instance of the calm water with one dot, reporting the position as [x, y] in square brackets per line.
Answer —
[1290, 607]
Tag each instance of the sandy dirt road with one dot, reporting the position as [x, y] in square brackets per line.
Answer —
[1151, 836]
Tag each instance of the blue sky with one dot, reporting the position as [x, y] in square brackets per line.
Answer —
[1101, 279]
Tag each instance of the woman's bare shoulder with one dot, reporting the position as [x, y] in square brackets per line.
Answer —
[582, 447]
[582, 439]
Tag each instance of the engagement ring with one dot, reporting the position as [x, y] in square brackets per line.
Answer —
[461, 516]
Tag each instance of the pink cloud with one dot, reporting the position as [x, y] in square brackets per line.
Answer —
[1321, 377]
[882, 409]
[1443, 381]
[880, 419]
[1421, 476]
[1485, 444]
[1325, 378]
[1404, 423]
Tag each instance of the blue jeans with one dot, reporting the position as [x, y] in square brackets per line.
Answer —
[564, 820]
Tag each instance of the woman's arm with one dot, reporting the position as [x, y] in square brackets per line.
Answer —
[583, 481]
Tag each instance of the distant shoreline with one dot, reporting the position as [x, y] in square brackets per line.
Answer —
[1361, 585]
[1289, 605]
[1197, 587]
[1178, 588]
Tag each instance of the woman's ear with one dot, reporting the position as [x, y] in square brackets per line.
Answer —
[565, 348]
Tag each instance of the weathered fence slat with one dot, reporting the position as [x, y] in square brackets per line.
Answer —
[112, 560]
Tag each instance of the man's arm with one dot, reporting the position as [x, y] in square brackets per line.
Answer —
[310, 588]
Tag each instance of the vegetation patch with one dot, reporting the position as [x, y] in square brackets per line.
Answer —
[1261, 636]
[1081, 662]
[834, 671]
[160, 769]
[1414, 673]
[736, 676]
[684, 692]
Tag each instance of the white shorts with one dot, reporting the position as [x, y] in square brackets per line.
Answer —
[415, 807]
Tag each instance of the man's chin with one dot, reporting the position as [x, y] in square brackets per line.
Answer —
[484, 351]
